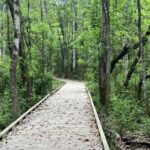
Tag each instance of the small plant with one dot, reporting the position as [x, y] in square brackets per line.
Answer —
[5, 112]
[125, 114]
[146, 126]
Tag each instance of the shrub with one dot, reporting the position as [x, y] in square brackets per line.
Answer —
[146, 126]
[5, 112]
[126, 114]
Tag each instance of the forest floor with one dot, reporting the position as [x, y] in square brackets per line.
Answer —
[63, 122]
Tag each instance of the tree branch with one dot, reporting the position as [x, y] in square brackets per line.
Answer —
[126, 49]
[132, 69]
[10, 5]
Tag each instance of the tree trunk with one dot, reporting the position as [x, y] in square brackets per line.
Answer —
[2, 24]
[42, 51]
[140, 87]
[105, 58]
[132, 69]
[50, 49]
[26, 80]
[9, 44]
[64, 48]
[11, 7]
[14, 60]
[141, 49]
[74, 28]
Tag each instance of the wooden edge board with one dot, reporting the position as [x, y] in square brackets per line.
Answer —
[99, 125]
[4, 133]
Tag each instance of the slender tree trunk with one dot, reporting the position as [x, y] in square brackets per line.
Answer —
[116, 3]
[2, 25]
[26, 80]
[140, 87]
[14, 60]
[62, 23]
[132, 69]
[43, 43]
[74, 27]
[11, 7]
[9, 44]
[50, 49]
[105, 58]
[29, 31]
[1, 33]
[141, 49]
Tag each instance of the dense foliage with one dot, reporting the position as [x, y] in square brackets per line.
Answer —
[65, 39]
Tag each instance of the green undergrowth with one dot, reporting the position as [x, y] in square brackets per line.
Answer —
[93, 88]
[125, 115]
[6, 105]
[5, 113]
[57, 83]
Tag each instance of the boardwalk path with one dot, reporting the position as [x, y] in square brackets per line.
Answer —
[63, 122]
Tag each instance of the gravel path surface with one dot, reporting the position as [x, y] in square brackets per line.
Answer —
[63, 122]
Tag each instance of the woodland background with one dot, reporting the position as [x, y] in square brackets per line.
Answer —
[105, 43]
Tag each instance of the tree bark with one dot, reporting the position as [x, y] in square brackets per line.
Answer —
[14, 60]
[62, 23]
[74, 27]
[26, 80]
[132, 69]
[140, 86]
[141, 49]
[11, 7]
[2, 48]
[42, 51]
[104, 74]
[9, 43]
[50, 49]
[126, 49]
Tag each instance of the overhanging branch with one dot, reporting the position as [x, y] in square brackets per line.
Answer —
[126, 49]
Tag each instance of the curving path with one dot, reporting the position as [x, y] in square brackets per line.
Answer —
[63, 122]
